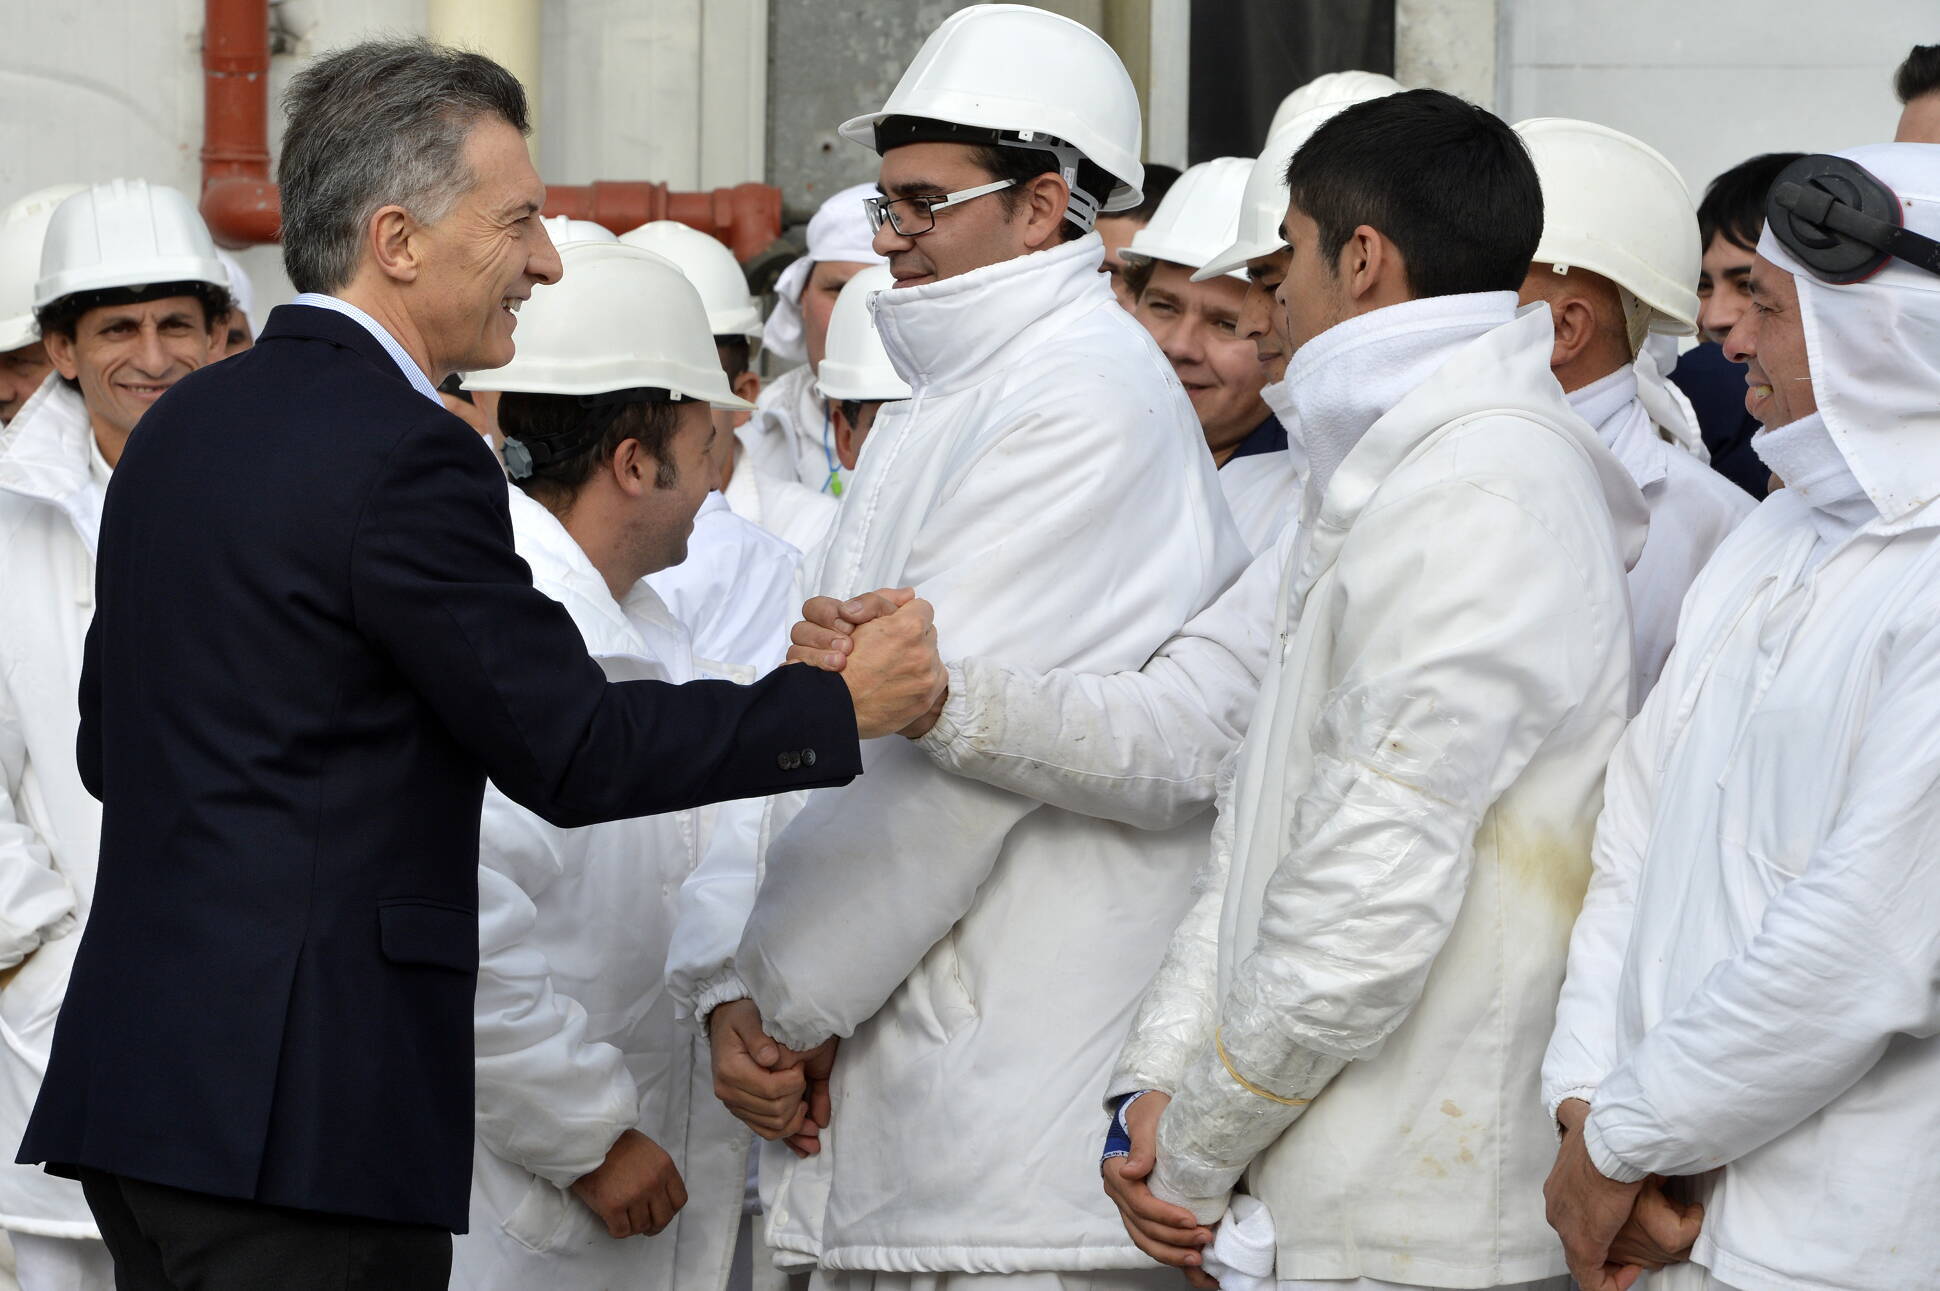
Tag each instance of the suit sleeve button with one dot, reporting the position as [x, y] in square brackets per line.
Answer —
[808, 757]
[786, 761]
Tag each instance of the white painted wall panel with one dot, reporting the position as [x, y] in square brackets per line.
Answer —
[1712, 84]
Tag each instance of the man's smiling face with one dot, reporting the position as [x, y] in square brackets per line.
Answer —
[125, 357]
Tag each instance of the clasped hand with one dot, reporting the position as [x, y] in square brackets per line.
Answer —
[1613, 1233]
[775, 1091]
[1167, 1233]
[884, 645]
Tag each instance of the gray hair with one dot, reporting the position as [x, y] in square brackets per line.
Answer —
[379, 124]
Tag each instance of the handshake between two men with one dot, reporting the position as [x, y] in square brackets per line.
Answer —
[884, 645]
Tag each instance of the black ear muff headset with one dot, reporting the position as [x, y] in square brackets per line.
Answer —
[1841, 222]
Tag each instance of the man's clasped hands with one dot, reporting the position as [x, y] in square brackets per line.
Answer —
[884, 645]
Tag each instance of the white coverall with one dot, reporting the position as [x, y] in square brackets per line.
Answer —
[737, 590]
[793, 512]
[575, 1033]
[1047, 486]
[1692, 507]
[1263, 489]
[791, 435]
[1751, 996]
[1384, 916]
[52, 480]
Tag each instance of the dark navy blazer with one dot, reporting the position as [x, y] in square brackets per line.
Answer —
[313, 642]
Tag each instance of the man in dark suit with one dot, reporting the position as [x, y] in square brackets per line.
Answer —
[313, 643]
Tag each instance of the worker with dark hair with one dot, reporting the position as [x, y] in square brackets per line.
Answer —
[1730, 218]
[1918, 85]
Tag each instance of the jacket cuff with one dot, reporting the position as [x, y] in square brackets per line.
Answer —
[1603, 1157]
[17, 945]
[1587, 1093]
[724, 987]
[951, 728]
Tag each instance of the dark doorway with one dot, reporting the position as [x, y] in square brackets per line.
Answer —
[1248, 54]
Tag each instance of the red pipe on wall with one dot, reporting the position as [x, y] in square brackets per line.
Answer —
[747, 217]
[239, 199]
[239, 202]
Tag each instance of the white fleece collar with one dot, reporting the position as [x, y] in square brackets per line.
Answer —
[1348, 377]
[943, 334]
[1624, 425]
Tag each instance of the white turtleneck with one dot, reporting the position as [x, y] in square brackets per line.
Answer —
[1343, 381]
[98, 468]
[1692, 509]
[1804, 456]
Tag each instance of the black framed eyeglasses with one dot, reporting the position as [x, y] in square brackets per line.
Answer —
[911, 216]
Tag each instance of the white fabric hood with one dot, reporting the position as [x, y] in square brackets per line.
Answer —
[1874, 346]
[839, 231]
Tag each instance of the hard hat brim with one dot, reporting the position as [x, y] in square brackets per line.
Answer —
[17, 332]
[1233, 260]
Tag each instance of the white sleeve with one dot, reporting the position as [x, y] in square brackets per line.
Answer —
[870, 876]
[36, 903]
[1143, 748]
[1443, 690]
[548, 1098]
[712, 910]
[1176, 1016]
[1846, 958]
[1583, 1047]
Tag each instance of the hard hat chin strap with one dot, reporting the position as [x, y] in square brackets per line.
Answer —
[1081, 208]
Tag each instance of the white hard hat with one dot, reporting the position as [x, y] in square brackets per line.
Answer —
[1024, 74]
[1198, 217]
[1264, 203]
[125, 233]
[855, 366]
[1332, 87]
[23, 228]
[1613, 205]
[619, 318]
[241, 290]
[564, 229]
[711, 267]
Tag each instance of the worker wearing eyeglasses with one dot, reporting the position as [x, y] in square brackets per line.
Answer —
[1046, 486]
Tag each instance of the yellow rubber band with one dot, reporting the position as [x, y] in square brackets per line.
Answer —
[1249, 1086]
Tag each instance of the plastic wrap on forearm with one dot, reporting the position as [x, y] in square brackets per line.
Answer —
[1176, 1017]
[1222, 1117]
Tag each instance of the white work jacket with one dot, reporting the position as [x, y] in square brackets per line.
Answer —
[792, 437]
[50, 826]
[736, 592]
[1752, 982]
[793, 512]
[1383, 920]
[1263, 489]
[1048, 488]
[575, 1032]
[1692, 508]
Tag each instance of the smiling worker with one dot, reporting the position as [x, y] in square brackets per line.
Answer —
[314, 640]
[130, 300]
[1196, 320]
